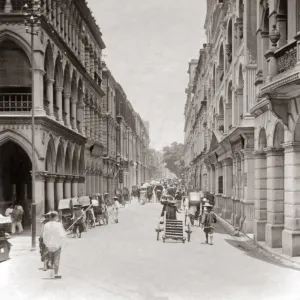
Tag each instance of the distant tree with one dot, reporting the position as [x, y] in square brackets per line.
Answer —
[173, 157]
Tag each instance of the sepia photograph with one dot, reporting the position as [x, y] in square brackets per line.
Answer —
[149, 149]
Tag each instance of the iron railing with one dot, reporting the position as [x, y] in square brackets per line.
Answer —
[15, 102]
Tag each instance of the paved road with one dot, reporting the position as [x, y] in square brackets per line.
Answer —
[124, 261]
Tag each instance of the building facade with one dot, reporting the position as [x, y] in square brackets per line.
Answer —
[241, 131]
[76, 124]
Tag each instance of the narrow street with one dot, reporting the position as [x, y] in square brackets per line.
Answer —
[124, 261]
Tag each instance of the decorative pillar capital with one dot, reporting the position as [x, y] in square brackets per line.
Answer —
[68, 178]
[49, 81]
[60, 178]
[50, 178]
[40, 176]
[259, 154]
[272, 151]
[81, 179]
[291, 147]
[59, 89]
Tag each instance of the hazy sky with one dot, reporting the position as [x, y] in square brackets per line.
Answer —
[148, 46]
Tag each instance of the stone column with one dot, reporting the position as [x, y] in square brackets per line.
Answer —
[234, 183]
[39, 196]
[248, 191]
[87, 121]
[92, 121]
[219, 202]
[260, 217]
[265, 47]
[50, 96]
[74, 114]
[237, 216]
[38, 89]
[275, 197]
[282, 23]
[50, 192]
[75, 180]
[59, 188]
[67, 109]
[81, 186]
[87, 59]
[227, 185]
[59, 104]
[67, 25]
[67, 184]
[81, 117]
[291, 232]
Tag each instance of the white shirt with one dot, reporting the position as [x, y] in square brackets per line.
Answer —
[53, 235]
[8, 211]
[117, 205]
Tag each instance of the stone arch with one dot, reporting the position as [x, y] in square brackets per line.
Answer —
[229, 41]
[221, 115]
[67, 79]
[60, 159]
[58, 72]
[278, 136]
[15, 76]
[18, 40]
[221, 67]
[68, 160]
[23, 142]
[50, 155]
[75, 162]
[49, 62]
[282, 21]
[229, 106]
[262, 139]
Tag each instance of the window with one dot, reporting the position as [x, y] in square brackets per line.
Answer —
[220, 185]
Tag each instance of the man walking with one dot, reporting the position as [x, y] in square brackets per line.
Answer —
[116, 208]
[53, 238]
[16, 219]
[209, 219]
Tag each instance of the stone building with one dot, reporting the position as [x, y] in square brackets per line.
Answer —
[75, 111]
[249, 88]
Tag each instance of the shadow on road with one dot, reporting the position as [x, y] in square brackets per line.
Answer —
[255, 252]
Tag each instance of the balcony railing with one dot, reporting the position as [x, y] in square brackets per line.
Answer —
[286, 58]
[15, 102]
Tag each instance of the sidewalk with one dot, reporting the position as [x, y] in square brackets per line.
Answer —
[293, 262]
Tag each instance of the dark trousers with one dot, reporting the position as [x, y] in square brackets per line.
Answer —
[55, 259]
[192, 218]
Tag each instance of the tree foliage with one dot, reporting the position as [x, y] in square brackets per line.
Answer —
[173, 157]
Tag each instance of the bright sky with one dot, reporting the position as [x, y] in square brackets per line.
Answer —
[148, 46]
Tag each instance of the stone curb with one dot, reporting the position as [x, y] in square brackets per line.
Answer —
[289, 261]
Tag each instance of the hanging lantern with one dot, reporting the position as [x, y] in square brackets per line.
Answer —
[274, 36]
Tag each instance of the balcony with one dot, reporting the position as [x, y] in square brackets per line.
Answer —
[15, 102]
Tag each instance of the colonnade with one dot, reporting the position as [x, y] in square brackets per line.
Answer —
[62, 187]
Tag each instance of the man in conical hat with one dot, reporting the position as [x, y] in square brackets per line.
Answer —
[208, 220]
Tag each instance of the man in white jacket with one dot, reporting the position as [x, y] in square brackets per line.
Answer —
[54, 236]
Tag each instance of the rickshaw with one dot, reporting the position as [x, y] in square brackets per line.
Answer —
[135, 192]
[89, 219]
[143, 195]
[65, 211]
[126, 194]
[158, 191]
[149, 192]
[195, 200]
[119, 194]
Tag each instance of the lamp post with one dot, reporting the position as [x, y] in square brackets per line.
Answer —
[32, 22]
